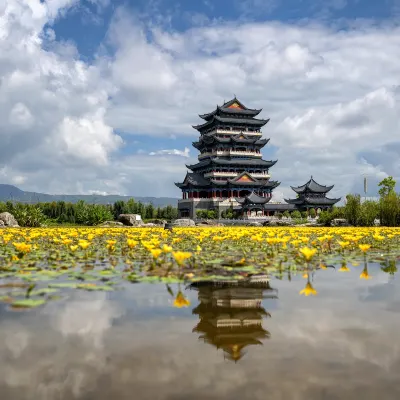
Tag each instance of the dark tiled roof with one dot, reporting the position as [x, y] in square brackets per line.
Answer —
[253, 198]
[312, 186]
[225, 109]
[209, 140]
[322, 201]
[232, 161]
[234, 121]
[193, 179]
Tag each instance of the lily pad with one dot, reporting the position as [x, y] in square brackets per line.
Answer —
[93, 287]
[28, 303]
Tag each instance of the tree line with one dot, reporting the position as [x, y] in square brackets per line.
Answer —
[82, 213]
[364, 213]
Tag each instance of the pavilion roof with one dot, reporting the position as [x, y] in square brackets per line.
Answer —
[193, 179]
[253, 198]
[232, 161]
[233, 106]
[312, 186]
[232, 121]
[321, 201]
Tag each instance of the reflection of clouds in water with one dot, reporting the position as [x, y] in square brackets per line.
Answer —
[88, 319]
[40, 363]
[349, 350]
[359, 335]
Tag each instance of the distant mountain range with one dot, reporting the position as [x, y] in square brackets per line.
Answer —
[12, 193]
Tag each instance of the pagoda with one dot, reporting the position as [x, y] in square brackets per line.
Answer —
[231, 314]
[230, 165]
[312, 195]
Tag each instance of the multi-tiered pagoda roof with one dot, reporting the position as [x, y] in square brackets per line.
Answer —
[230, 158]
[231, 315]
[312, 194]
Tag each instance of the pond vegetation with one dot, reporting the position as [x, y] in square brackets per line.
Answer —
[39, 265]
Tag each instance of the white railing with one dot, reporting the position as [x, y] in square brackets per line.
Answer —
[233, 174]
[230, 152]
[238, 132]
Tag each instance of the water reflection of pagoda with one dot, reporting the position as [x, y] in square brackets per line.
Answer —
[231, 314]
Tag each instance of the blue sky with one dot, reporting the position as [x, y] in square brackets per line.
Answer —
[86, 24]
[100, 95]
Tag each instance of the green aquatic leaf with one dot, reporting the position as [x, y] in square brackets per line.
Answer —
[149, 279]
[63, 285]
[170, 280]
[94, 287]
[6, 299]
[28, 303]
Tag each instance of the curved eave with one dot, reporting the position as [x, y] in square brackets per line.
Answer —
[262, 141]
[321, 190]
[239, 121]
[255, 183]
[327, 202]
[293, 201]
[251, 121]
[272, 184]
[208, 116]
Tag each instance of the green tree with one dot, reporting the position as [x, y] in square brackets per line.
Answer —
[149, 211]
[286, 214]
[352, 208]
[313, 213]
[119, 208]
[211, 214]
[389, 212]
[369, 211]
[387, 186]
[131, 206]
[296, 214]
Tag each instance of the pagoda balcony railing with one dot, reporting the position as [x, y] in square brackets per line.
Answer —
[229, 153]
[233, 174]
[235, 132]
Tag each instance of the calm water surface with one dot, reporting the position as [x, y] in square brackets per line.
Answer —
[253, 342]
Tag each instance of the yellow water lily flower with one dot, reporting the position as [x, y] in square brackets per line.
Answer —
[84, 244]
[344, 268]
[181, 301]
[155, 252]
[365, 274]
[23, 247]
[308, 290]
[166, 248]
[308, 253]
[364, 247]
[181, 256]
[131, 243]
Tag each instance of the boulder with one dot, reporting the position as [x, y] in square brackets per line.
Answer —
[253, 223]
[184, 222]
[111, 224]
[280, 222]
[150, 224]
[340, 222]
[130, 219]
[8, 219]
[160, 222]
[2, 224]
[208, 222]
